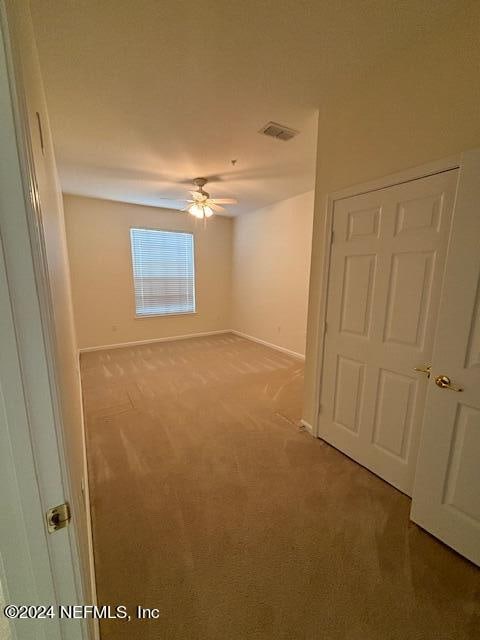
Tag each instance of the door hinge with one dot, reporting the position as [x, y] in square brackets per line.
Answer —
[58, 517]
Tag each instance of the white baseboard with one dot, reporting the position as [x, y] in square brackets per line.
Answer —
[294, 354]
[307, 426]
[138, 343]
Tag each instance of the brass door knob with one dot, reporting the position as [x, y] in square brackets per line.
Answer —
[444, 382]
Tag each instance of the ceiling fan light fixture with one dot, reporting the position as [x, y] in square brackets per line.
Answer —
[200, 210]
[201, 205]
[196, 210]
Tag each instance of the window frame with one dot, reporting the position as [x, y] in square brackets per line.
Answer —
[144, 316]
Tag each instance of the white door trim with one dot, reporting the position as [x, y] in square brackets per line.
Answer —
[30, 301]
[407, 175]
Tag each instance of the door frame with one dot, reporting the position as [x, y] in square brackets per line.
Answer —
[29, 298]
[415, 173]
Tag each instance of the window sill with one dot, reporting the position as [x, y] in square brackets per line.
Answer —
[165, 315]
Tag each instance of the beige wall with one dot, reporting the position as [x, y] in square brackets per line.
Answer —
[98, 234]
[271, 263]
[422, 107]
[251, 272]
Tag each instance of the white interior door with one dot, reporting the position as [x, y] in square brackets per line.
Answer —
[446, 497]
[26, 571]
[386, 268]
[38, 568]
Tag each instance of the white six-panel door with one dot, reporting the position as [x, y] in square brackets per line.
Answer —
[386, 269]
[446, 497]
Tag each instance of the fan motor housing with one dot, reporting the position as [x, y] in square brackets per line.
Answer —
[200, 183]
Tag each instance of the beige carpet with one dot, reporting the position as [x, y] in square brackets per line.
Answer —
[211, 504]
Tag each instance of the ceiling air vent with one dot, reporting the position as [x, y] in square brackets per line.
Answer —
[278, 131]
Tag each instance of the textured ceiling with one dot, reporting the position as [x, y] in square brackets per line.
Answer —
[146, 95]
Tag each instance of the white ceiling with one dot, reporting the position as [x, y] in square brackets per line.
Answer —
[144, 96]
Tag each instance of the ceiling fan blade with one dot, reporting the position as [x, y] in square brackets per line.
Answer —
[216, 207]
[224, 200]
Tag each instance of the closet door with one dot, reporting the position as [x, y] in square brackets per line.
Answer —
[386, 270]
[446, 497]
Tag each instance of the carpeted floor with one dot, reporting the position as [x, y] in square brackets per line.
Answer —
[211, 504]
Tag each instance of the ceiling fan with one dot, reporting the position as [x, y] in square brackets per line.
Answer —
[201, 205]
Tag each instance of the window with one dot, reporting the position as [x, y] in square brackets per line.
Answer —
[163, 272]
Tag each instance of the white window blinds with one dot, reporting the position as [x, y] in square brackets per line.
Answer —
[163, 272]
